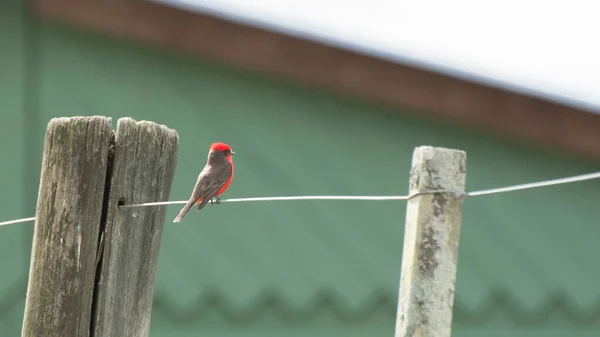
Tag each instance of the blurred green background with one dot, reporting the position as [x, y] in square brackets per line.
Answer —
[527, 262]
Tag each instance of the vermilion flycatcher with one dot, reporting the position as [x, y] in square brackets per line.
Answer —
[214, 179]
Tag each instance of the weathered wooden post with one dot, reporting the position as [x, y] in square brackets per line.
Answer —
[431, 238]
[67, 225]
[91, 260]
[143, 170]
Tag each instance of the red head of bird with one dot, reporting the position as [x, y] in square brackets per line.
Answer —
[218, 152]
[220, 147]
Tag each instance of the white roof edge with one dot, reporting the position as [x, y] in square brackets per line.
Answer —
[388, 55]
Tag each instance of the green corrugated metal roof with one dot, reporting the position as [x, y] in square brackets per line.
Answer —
[531, 244]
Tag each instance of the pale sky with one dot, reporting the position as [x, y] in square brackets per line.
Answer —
[548, 48]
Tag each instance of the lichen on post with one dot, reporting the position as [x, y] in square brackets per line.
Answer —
[431, 238]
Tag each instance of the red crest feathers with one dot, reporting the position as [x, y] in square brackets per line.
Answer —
[220, 147]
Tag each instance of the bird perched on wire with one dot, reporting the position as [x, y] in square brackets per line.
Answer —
[214, 179]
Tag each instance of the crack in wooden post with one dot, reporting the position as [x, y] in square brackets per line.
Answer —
[145, 158]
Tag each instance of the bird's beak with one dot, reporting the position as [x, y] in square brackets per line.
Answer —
[232, 152]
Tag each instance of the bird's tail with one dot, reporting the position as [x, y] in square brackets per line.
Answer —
[184, 211]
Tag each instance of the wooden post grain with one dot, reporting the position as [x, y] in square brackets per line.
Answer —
[93, 264]
[143, 170]
[431, 238]
[67, 224]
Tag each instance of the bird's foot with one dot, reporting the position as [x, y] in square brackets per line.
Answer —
[215, 200]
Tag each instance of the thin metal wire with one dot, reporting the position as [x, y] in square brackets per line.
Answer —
[305, 197]
[157, 203]
[544, 183]
[16, 221]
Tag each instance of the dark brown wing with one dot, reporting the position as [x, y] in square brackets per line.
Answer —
[212, 181]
